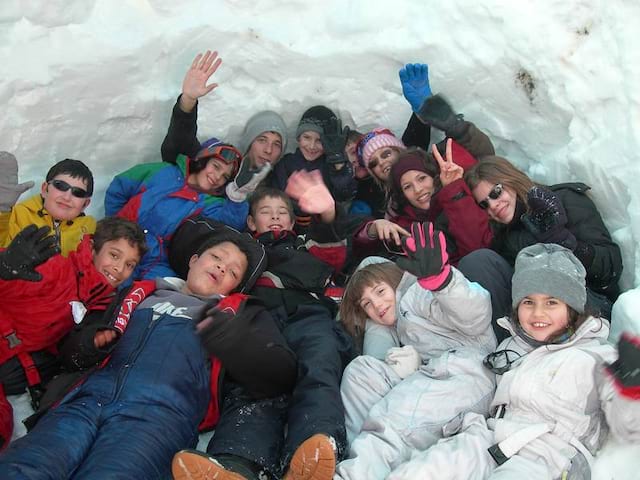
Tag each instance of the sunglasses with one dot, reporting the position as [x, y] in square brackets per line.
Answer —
[495, 192]
[500, 362]
[63, 186]
[226, 153]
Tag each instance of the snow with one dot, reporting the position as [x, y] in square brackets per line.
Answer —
[553, 82]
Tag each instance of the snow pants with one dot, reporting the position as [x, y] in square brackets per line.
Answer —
[396, 417]
[255, 429]
[129, 418]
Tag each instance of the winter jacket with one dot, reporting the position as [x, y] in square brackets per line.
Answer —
[6, 420]
[157, 196]
[599, 254]
[69, 233]
[36, 315]
[181, 137]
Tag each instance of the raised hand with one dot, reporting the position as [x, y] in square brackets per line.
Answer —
[437, 112]
[195, 81]
[246, 181]
[427, 256]
[309, 190]
[334, 139]
[626, 369]
[10, 189]
[30, 248]
[449, 170]
[387, 231]
[414, 78]
[547, 218]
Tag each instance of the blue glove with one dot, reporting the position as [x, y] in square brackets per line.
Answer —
[414, 78]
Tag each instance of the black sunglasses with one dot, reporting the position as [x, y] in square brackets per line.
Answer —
[501, 361]
[63, 186]
[495, 192]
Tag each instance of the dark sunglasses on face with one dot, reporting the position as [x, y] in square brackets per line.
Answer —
[500, 362]
[494, 194]
[63, 186]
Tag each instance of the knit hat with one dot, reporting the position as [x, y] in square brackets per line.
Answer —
[265, 121]
[316, 119]
[552, 270]
[197, 234]
[374, 140]
[410, 161]
[208, 150]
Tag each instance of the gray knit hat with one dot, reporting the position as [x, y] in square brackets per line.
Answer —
[552, 270]
[266, 121]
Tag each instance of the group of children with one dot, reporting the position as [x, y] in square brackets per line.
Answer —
[166, 318]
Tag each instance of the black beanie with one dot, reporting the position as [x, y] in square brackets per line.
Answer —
[316, 119]
[197, 234]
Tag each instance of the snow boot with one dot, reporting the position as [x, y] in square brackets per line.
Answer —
[314, 459]
[195, 465]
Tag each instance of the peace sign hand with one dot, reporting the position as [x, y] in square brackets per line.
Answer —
[195, 81]
[449, 170]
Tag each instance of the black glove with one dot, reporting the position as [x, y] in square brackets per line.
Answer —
[340, 181]
[334, 139]
[437, 112]
[547, 218]
[223, 325]
[30, 248]
[427, 256]
[626, 369]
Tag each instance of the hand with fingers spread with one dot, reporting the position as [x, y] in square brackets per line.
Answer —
[195, 81]
[414, 78]
[388, 232]
[10, 189]
[30, 248]
[449, 170]
[427, 256]
[312, 195]
[246, 181]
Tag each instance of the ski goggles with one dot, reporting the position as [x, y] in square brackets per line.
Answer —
[226, 153]
[500, 362]
[494, 194]
[63, 186]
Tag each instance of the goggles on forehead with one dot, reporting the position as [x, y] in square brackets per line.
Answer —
[226, 153]
[494, 194]
[363, 142]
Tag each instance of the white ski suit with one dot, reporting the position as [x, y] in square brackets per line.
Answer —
[548, 415]
[388, 418]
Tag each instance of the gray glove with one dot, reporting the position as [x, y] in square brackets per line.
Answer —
[246, 181]
[10, 189]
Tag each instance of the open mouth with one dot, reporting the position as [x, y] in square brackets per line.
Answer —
[540, 325]
[110, 278]
[276, 227]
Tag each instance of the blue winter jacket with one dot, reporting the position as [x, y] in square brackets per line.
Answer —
[157, 196]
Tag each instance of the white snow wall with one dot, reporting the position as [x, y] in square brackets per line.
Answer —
[553, 82]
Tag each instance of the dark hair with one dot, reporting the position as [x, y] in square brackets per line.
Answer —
[267, 192]
[115, 228]
[494, 170]
[428, 165]
[354, 136]
[73, 168]
[351, 314]
[212, 242]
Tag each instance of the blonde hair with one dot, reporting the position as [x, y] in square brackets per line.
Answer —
[352, 315]
[494, 170]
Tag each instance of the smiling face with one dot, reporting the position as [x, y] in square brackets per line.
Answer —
[267, 147]
[543, 317]
[359, 171]
[379, 303]
[501, 209]
[310, 145]
[381, 162]
[217, 270]
[417, 188]
[271, 213]
[212, 177]
[64, 205]
[116, 260]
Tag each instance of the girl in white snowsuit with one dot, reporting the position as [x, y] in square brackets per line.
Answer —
[553, 396]
[401, 404]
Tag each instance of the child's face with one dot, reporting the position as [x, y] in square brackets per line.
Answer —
[272, 213]
[542, 317]
[116, 260]
[382, 161]
[218, 270]
[267, 147]
[63, 205]
[310, 145]
[359, 171]
[503, 207]
[417, 188]
[379, 303]
[212, 177]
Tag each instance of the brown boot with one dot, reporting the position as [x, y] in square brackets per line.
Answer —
[194, 465]
[315, 459]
